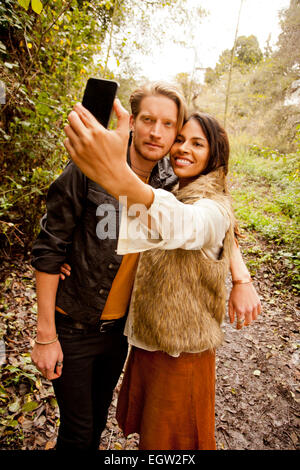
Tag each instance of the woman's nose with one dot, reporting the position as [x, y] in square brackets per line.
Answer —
[184, 148]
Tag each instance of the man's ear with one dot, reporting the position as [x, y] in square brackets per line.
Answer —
[131, 122]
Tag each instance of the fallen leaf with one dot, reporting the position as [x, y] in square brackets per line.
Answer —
[14, 407]
[118, 446]
[50, 445]
[294, 438]
[30, 406]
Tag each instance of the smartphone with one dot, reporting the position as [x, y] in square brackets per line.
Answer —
[98, 98]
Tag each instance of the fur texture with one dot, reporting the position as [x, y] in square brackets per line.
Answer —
[179, 296]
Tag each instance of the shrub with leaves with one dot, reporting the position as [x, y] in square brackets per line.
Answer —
[47, 53]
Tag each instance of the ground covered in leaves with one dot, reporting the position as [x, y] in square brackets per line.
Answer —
[257, 389]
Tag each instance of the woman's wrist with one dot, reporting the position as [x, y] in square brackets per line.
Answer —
[247, 280]
[131, 186]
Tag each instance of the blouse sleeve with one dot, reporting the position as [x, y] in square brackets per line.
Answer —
[173, 225]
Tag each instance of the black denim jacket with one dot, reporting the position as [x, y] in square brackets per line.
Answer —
[68, 234]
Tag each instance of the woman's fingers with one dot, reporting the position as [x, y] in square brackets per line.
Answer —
[65, 269]
[122, 117]
[70, 149]
[240, 322]
[231, 312]
[77, 127]
[70, 130]
[86, 116]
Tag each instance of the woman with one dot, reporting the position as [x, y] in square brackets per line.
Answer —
[178, 302]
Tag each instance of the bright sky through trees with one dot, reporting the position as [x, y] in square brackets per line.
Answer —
[214, 34]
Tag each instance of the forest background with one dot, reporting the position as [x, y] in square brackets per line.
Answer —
[48, 50]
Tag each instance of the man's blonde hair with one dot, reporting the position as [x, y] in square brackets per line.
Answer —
[155, 89]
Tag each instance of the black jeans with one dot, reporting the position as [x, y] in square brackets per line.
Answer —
[93, 362]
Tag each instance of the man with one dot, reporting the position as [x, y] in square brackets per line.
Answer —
[87, 310]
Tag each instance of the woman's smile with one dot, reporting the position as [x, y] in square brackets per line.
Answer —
[179, 161]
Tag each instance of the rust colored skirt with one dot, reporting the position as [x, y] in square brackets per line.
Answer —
[169, 401]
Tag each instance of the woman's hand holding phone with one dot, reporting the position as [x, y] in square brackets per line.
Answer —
[100, 153]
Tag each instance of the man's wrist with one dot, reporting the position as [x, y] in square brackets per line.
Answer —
[46, 342]
[46, 329]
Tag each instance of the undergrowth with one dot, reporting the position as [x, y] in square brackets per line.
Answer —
[265, 191]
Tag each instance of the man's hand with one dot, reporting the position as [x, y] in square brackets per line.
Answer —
[45, 357]
[244, 304]
[100, 153]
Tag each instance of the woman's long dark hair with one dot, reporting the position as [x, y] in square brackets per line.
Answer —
[219, 149]
[217, 139]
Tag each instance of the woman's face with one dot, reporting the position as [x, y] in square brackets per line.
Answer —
[190, 151]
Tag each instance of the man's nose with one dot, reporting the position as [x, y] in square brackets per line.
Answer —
[156, 129]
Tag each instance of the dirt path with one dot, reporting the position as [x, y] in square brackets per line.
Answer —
[257, 390]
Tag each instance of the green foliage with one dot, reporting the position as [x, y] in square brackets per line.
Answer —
[36, 5]
[289, 39]
[267, 201]
[247, 50]
[247, 53]
[47, 56]
[189, 88]
[264, 89]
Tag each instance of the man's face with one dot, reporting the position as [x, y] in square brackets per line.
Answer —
[154, 128]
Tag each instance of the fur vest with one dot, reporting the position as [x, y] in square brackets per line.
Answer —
[179, 296]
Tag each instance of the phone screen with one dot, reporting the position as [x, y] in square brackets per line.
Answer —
[98, 98]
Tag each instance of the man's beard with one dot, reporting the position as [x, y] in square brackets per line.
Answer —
[139, 151]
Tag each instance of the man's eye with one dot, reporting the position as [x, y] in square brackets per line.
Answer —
[168, 124]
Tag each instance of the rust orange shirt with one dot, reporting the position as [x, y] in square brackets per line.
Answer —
[119, 296]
